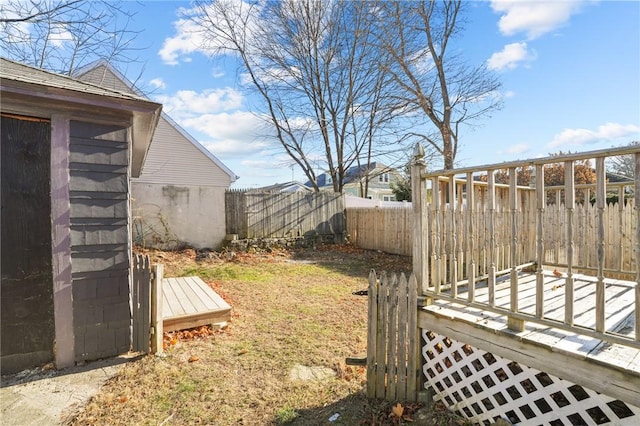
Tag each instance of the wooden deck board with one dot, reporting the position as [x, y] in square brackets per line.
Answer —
[189, 302]
[618, 313]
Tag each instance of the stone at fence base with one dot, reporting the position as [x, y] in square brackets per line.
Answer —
[262, 244]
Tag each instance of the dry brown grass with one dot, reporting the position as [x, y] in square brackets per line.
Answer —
[288, 309]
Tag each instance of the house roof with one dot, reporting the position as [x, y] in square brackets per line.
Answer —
[283, 187]
[352, 174]
[26, 81]
[103, 63]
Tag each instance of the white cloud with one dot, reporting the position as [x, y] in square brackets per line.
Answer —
[189, 39]
[607, 132]
[217, 72]
[534, 18]
[232, 134]
[187, 103]
[510, 57]
[190, 36]
[517, 149]
[158, 83]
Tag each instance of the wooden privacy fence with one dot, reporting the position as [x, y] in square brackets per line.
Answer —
[253, 214]
[388, 229]
[393, 340]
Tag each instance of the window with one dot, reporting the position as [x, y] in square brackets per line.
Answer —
[388, 198]
[383, 178]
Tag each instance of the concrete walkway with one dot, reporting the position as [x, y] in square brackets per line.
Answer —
[43, 397]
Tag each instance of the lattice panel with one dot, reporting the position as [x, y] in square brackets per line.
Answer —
[483, 387]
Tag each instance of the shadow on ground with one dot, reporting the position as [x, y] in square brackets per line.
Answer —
[357, 409]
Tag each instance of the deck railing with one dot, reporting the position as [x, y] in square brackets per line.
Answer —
[474, 230]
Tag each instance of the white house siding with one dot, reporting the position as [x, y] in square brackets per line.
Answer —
[171, 215]
[104, 77]
[179, 197]
[174, 159]
[181, 192]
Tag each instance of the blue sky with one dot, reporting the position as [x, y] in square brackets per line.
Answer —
[570, 72]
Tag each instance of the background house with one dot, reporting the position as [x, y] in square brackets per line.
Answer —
[179, 196]
[378, 175]
[292, 186]
[68, 151]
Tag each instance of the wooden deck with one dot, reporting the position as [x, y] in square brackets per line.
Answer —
[189, 302]
[551, 349]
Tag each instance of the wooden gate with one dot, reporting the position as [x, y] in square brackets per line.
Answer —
[393, 341]
[141, 303]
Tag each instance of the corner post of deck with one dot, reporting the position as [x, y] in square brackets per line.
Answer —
[156, 309]
[420, 249]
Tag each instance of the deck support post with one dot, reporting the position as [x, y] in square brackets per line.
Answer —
[541, 202]
[569, 204]
[156, 309]
[436, 236]
[420, 248]
[601, 203]
[514, 323]
[636, 204]
[453, 248]
[491, 207]
[470, 239]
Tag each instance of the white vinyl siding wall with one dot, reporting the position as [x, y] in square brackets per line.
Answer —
[174, 159]
[103, 77]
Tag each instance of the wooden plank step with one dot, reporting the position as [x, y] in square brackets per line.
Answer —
[189, 302]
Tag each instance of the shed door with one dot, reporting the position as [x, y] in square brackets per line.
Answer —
[27, 326]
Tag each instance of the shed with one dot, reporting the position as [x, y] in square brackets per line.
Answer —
[179, 196]
[69, 149]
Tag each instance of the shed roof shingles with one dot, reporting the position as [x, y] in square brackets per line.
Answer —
[14, 71]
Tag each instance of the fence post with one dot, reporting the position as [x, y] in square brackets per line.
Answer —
[419, 205]
[156, 309]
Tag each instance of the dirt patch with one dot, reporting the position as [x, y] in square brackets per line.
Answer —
[290, 308]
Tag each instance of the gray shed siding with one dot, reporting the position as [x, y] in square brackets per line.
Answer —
[100, 247]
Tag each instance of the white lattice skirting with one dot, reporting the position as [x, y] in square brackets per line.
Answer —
[483, 387]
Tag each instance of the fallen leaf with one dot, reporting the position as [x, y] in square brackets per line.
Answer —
[397, 410]
[123, 399]
[194, 358]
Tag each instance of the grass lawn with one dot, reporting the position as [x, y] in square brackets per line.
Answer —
[289, 309]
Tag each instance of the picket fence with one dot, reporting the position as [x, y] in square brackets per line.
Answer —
[393, 340]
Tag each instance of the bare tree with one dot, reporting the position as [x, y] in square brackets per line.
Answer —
[64, 35]
[433, 79]
[624, 164]
[317, 72]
